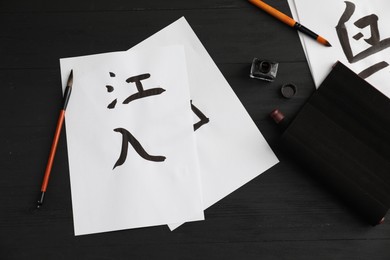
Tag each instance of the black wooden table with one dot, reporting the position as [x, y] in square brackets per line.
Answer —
[282, 214]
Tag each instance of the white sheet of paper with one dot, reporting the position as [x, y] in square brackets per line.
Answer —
[139, 192]
[323, 17]
[231, 149]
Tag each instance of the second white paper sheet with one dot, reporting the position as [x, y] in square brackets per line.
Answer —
[231, 149]
[132, 155]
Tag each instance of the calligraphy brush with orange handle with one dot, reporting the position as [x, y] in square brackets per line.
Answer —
[289, 21]
[57, 133]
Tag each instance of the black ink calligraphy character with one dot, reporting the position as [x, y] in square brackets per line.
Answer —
[203, 119]
[377, 45]
[109, 90]
[373, 69]
[112, 104]
[127, 138]
[141, 92]
[372, 21]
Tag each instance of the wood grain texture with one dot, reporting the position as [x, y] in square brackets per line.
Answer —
[282, 214]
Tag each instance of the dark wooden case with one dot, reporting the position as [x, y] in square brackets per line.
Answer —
[342, 135]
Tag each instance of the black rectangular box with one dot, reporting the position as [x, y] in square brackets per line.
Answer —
[342, 135]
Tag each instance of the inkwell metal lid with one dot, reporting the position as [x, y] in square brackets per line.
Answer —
[288, 90]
